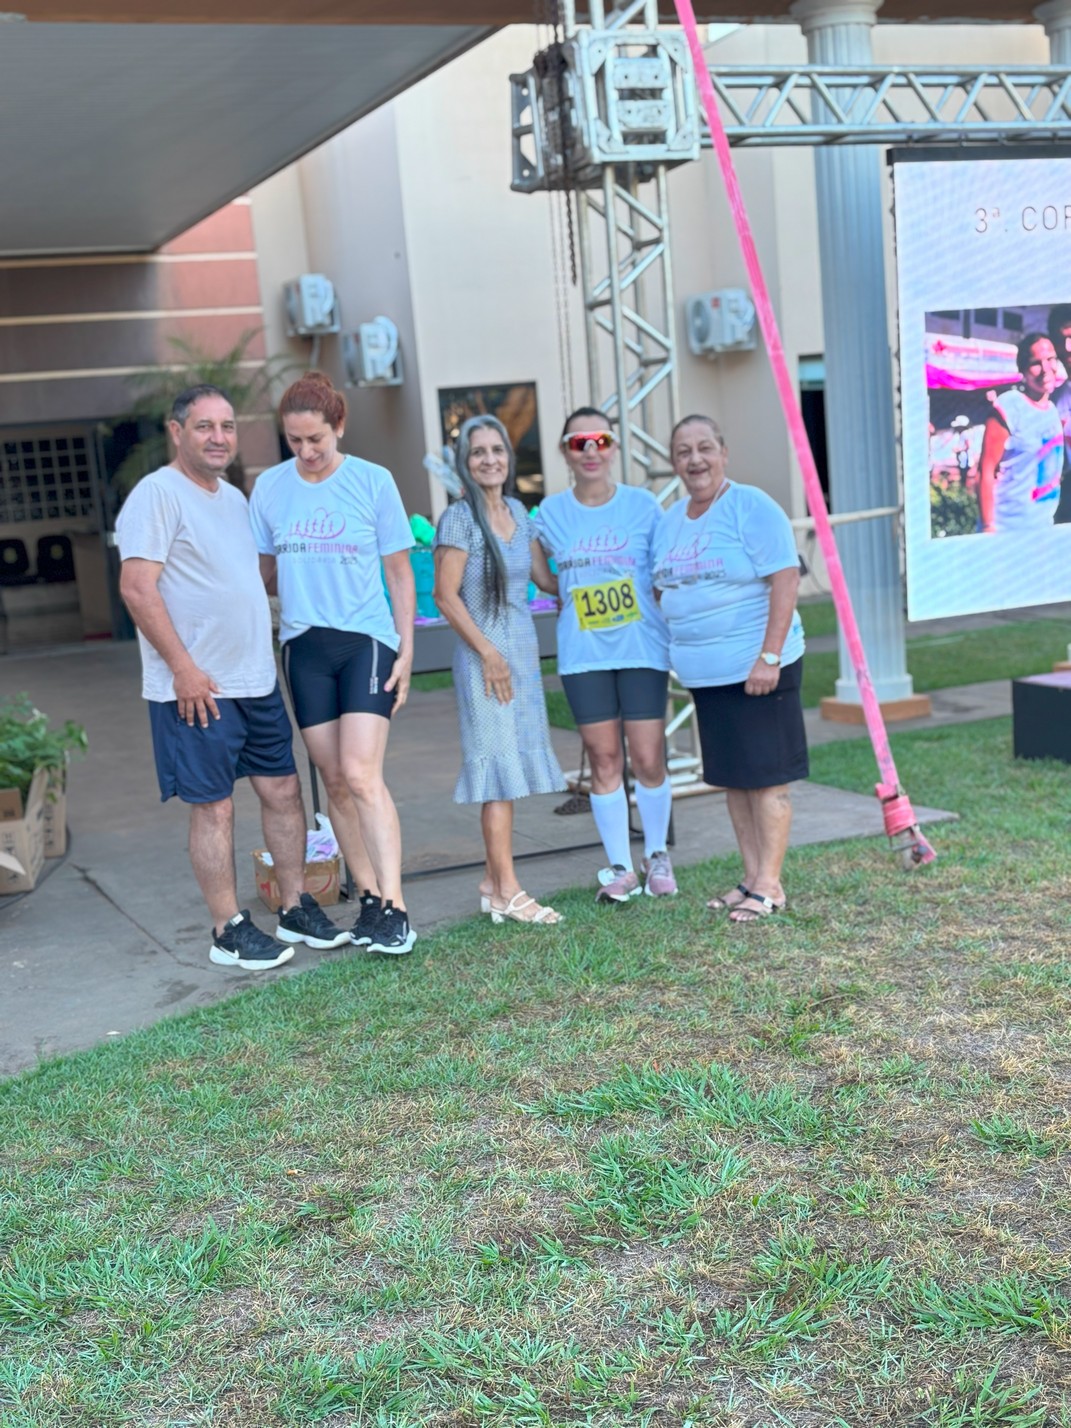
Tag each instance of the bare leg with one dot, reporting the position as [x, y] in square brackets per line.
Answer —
[747, 835]
[344, 817]
[771, 821]
[500, 880]
[739, 805]
[606, 755]
[363, 744]
[647, 750]
[282, 814]
[323, 744]
[212, 856]
[500, 883]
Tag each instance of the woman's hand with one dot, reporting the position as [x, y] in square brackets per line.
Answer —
[400, 677]
[763, 678]
[496, 676]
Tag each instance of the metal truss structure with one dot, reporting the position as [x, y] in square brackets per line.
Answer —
[606, 113]
[819, 104]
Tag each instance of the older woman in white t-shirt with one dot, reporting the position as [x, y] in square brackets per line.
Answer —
[726, 567]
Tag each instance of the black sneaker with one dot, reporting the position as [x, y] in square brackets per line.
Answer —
[393, 933]
[242, 944]
[365, 925]
[308, 923]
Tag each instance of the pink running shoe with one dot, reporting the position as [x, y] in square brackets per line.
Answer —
[625, 884]
[658, 879]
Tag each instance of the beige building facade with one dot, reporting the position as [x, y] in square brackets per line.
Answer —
[410, 213]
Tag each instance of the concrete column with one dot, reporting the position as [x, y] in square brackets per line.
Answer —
[859, 390]
[1055, 15]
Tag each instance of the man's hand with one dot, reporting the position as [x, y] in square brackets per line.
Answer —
[400, 677]
[763, 678]
[194, 691]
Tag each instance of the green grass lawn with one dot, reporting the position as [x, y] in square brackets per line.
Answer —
[648, 1169]
[943, 661]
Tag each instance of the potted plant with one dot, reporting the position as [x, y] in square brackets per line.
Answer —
[28, 744]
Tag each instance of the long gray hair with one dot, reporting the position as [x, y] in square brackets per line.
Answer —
[494, 565]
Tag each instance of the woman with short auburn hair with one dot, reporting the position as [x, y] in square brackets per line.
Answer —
[324, 521]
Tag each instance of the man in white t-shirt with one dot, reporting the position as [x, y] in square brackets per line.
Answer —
[191, 581]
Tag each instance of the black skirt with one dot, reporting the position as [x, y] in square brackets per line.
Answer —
[753, 740]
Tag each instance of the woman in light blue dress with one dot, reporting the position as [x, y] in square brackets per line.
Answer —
[486, 551]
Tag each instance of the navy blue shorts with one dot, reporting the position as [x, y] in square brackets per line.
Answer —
[251, 736]
[601, 694]
[334, 672]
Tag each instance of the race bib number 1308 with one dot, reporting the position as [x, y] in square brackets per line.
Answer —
[604, 607]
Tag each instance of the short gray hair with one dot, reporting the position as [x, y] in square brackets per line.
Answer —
[697, 416]
[180, 407]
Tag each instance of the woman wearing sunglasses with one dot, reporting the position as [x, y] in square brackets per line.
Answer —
[613, 647]
[485, 552]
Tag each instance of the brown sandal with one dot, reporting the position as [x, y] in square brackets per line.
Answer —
[764, 907]
[722, 904]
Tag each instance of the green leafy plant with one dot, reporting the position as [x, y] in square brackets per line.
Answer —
[953, 511]
[246, 380]
[28, 744]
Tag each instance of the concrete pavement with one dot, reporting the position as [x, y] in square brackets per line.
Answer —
[116, 936]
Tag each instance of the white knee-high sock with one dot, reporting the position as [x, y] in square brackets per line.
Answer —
[610, 811]
[655, 805]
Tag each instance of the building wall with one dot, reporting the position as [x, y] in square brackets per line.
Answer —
[76, 332]
[470, 273]
[490, 297]
[73, 330]
[339, 211]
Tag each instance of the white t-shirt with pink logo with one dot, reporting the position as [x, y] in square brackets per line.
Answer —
[712, 575]
[607, 546]
[327, 538]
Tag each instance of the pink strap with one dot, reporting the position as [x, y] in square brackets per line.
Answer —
[790, 406]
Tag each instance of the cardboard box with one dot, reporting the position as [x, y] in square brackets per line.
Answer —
[56, 814]
[55, 811]
[323, 879]
[23, 839]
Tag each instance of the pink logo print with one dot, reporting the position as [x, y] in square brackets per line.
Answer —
[604, 542]
[690, 550]
[321, 525]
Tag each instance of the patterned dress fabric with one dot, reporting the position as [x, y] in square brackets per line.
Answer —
[505, 748]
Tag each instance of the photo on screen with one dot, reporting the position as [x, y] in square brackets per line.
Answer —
[998, 382]
[515, 405]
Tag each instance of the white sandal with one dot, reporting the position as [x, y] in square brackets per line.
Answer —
[546, 916]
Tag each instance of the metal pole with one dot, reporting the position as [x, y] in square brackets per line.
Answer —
[859, 389]
[624, 428]
[668, 301]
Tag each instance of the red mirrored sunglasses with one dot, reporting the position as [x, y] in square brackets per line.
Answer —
[577, 441]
